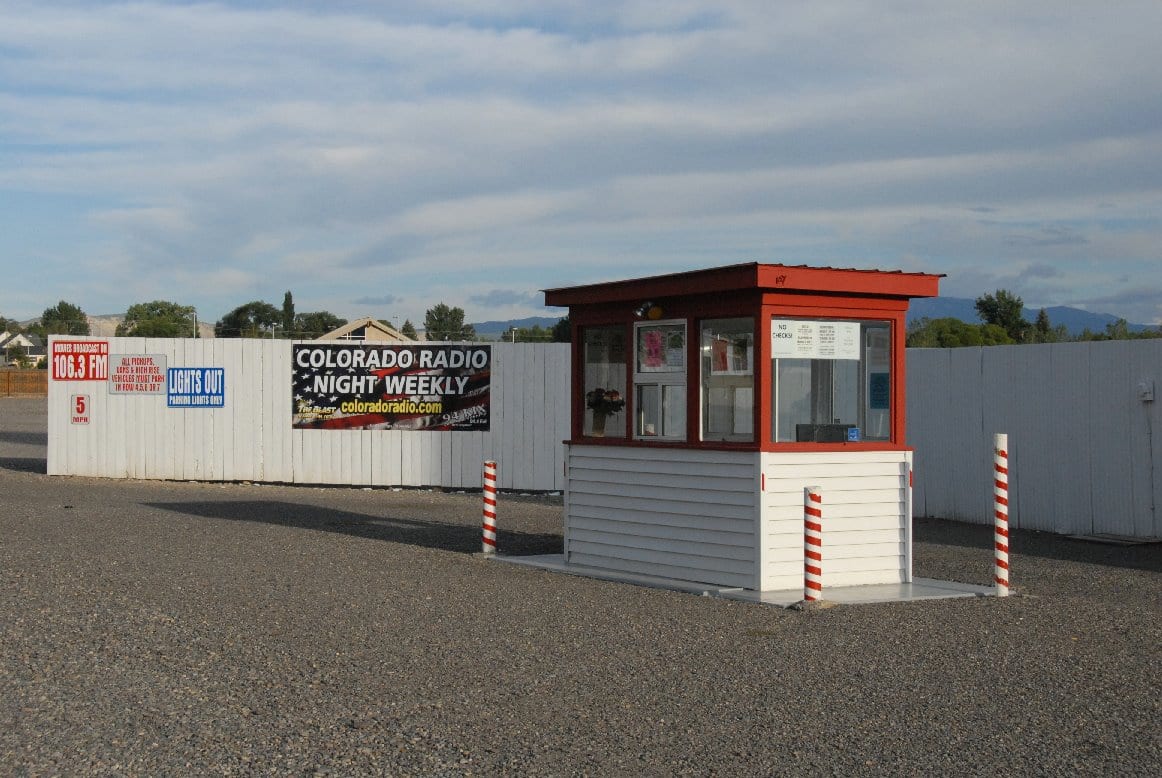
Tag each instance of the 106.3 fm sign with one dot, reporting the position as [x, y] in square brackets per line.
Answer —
[80, 360]
[402, 387]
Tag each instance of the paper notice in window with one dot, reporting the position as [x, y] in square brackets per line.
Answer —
[814, 339]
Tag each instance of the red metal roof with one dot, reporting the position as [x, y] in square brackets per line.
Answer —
[753, 276]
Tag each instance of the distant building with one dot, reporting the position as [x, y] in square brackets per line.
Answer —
[19, 345]
[367, 328]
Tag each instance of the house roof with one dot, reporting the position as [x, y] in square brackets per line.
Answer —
[9, 340]
[753, 276]
[366, 328]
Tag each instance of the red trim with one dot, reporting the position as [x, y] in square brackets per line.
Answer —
[738, 278]
[760, 291]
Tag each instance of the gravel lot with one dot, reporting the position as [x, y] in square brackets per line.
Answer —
[154, 628]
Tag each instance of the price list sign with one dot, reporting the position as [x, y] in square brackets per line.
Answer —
[80, 360]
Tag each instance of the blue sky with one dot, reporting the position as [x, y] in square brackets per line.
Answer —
[376, 158]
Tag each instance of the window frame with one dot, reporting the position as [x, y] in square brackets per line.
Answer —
[729, 378]
[663, 377]
[889, 362]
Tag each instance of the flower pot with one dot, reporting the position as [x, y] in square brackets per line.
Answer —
[598, 424]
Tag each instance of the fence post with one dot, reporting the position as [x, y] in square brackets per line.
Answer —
[489, 526]
[812, 544]
[1001, 513]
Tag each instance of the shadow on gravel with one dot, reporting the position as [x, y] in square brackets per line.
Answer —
[1039, 544]
[25, 465]
[428, 534]
[24, 438]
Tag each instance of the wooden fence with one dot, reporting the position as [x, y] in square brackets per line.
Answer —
[23, 383]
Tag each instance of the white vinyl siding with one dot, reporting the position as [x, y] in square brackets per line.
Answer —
[674, 513]
[866, 517]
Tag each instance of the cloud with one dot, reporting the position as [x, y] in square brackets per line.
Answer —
[387, 299]
[500, 298]
[1049, 236]
[446, 149]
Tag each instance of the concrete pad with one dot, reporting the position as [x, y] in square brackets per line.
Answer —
[918, 589]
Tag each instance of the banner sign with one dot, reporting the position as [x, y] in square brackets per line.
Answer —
[791, 339]
[375, 386]
[80, 360]
[196, 387]
[137, 374]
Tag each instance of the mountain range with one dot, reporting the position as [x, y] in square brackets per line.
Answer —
[1075, 320]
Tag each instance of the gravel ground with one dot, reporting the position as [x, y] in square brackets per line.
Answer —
[154, 628]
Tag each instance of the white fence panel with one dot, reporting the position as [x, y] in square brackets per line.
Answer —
[1082, 438]
[251, 439]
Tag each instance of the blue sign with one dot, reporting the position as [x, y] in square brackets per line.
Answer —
[853, 434]
[196, 387]
[879, 389]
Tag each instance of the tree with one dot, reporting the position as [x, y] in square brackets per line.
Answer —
[1005, 310]
[248, 321]
[954, 333]
[64, 319]
[444, 323]
[158, 319]
[288, 313]
[408, 330]
[1043, 330]
[9, 325]
[563, 331]
[316, 323]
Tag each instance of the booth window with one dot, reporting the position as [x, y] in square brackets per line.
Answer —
[660, 380]
[831, 380]
[604, 387]
[727, 349]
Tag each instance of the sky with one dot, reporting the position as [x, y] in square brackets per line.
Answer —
[377, 158]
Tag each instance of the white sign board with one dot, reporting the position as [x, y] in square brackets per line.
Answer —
[795, 339]
[137, 373]
[79, 404]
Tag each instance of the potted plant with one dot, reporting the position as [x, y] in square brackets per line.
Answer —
[602, 402]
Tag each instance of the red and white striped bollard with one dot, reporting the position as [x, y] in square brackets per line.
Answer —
[489, 525]
[812, 544]
[1001, 513]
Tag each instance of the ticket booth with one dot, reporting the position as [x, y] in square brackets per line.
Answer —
[704, 402]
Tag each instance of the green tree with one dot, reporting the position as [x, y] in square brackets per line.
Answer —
[1043, 330]
[954, 333]
[288, 314]
[9, 325]
[408, 330]
[158, 319]
[1005, 310]
[563, 331]
[251, 320]
[64, 319]
[1120, 330]
[312, 325]
[444, 323]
